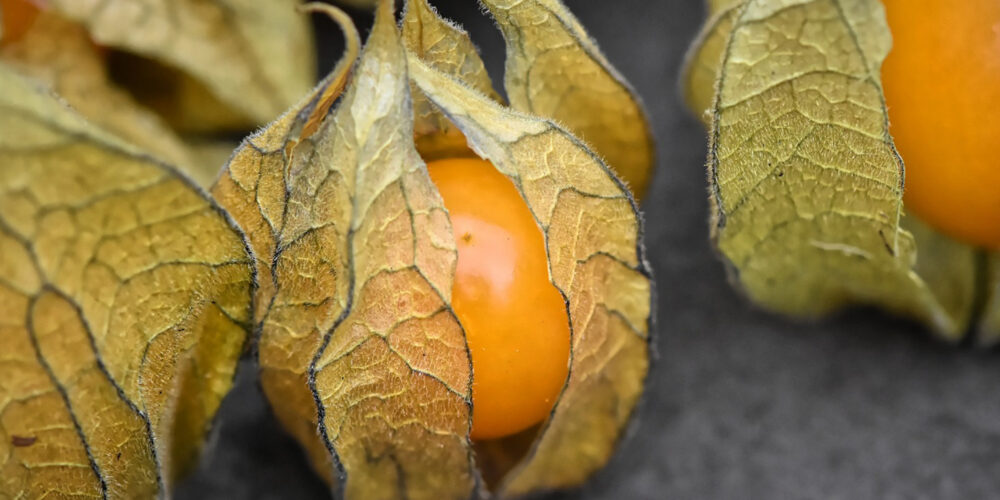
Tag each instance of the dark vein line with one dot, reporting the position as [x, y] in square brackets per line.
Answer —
[719, 215]
[118, 389]
[886, 136]
[446, 306]
[643, 264]
[339, 469]
[33, 337]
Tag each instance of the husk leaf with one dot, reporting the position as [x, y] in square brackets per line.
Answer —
[446, 47]
[60, 54]
[357, 338]
[124, 302]
[593, 234]
[357, 335]
[240, 62]
[555, 70]
[704, 59]
[989, 322]
[806, 183]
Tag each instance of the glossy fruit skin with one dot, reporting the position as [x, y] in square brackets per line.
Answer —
[942, 88]
[515, 320]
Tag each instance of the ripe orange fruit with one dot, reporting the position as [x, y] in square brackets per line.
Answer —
[942, 87]
[16, 17]
[515, 320]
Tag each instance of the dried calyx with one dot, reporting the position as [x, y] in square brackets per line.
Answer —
[806, 183]
[359, 336]
[128, 293]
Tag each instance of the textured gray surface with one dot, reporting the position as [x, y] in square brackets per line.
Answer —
[741, 404]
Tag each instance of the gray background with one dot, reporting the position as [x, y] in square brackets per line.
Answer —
[740, 404]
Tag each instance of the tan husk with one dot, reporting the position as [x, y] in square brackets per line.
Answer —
[806, 183]
[716, 6]
[989, 322]
[249, 57]
[252, 189]
[132, 81]
[356, 319]
[704, 58]
[59, 53]
[447, 48]
[124, 302]
[129, 293]
[593, 238]
[357, 335]
[555, 70]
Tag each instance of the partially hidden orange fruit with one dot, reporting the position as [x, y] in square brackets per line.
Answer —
[515, 320]
[16, 17]
[942, 88]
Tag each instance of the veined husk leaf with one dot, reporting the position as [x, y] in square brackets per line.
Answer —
[253, 57]
[593, 237]
[704, 58]
[124, 302]
[989, 322]
[555, 70]
[357, 335]
[60, 54]
[806, 184]
[716, 6]
[446, 47]
[357, 318]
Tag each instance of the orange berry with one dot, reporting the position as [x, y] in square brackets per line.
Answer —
[515, 320]
[942, 87]
[17, 17]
